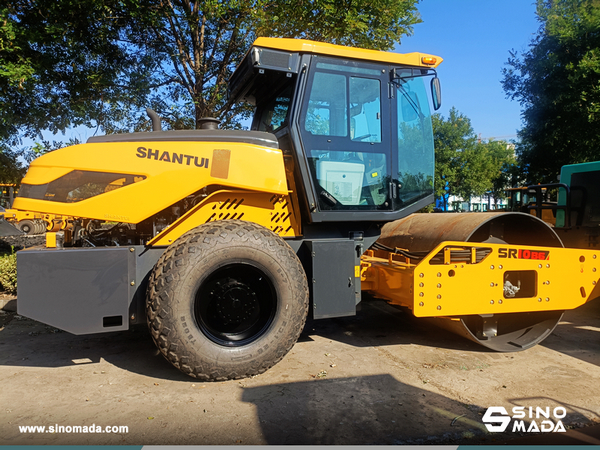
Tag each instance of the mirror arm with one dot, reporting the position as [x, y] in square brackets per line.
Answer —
[429, 72]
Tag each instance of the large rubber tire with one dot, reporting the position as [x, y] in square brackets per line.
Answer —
[227, 300]
[27, 226]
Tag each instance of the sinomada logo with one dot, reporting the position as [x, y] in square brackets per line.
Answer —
[527, 419]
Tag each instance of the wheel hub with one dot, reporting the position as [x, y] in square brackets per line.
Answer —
[235, 302]
[235, 305]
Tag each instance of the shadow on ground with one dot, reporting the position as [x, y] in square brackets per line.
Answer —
[363, 410]
[36, 344]
[375, 409]
[376, 324]
[380, 324]
[33, 344]
[578, 334]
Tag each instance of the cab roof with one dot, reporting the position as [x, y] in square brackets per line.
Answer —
[305, 46]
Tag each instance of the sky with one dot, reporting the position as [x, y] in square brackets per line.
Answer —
[474, 38]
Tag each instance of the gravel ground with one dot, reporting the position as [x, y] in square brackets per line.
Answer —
[380, 377]
[22, 241]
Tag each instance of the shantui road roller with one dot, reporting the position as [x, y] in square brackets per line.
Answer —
[224, 241]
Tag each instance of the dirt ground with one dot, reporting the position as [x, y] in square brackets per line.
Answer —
[378, 378]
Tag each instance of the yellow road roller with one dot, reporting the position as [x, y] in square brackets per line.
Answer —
[224, 241]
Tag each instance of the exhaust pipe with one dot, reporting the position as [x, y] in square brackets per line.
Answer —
[156, 126]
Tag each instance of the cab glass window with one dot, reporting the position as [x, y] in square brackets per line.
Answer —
[415, 141]
[273, 115]
[365, 109]
[327, 113]
[342, 131]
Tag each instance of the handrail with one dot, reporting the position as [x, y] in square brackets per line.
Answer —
[539, 206]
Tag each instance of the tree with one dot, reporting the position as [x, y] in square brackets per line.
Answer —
[11, 169]
[466, 167]
[505, 169]
[99, 63]
[451, 138]
[557, 82]
[476, 171]
[14, 69]
[63, 67]
[205, 41]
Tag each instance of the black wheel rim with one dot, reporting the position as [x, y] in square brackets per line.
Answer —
[235, 305]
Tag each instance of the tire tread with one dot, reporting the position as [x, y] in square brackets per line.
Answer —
[180, 255]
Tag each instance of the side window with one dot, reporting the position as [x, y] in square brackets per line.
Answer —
[274, 114]
[365, 109]
[327, 113]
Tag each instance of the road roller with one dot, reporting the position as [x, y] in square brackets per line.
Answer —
[223, 241]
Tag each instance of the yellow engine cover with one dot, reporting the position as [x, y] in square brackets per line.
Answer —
[145, 176]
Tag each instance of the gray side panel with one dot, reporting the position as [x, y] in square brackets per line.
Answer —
[332, 279]
[329, 304]
[145, 260]
[77, 290]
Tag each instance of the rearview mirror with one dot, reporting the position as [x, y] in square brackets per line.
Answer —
[436, 93]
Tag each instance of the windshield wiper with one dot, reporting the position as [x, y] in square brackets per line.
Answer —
[411, 101]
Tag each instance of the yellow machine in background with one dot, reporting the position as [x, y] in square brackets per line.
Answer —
[36, 223]
[224, 241]
[26, 221]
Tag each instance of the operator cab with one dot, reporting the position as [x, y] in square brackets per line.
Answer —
[356, 124]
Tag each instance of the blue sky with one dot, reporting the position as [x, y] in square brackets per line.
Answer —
[474, 38]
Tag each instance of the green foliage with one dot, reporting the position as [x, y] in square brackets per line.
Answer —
[99, 63]
[557, 82]
[466, 167]
[11, 168]
[14, 67]
[505, 170]
[68, 67]
[451, 137]
[488, 168]
[360, 23]
[8, 272]
[427, 209]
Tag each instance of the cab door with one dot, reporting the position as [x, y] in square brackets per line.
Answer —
[344, 126]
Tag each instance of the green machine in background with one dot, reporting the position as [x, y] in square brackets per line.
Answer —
[577, 210]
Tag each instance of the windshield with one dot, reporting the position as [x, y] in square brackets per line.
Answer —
[415, 141]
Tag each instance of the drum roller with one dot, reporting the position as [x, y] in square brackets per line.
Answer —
[420, 233]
